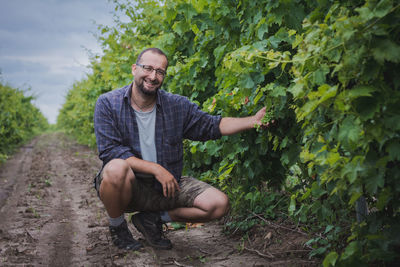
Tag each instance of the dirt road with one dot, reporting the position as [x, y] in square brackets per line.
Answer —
[50, 216]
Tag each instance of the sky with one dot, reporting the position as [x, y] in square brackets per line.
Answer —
[44, 46]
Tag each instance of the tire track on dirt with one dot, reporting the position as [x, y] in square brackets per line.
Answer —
[18, 164]
[55, 242]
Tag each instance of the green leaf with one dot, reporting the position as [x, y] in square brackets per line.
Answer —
[392, 123]
[296, 89]
[247, 82]
[218, 53]
[374, 182]
[262, 29]
[393, 149]
[258, 96]
[318, 251]
[180, 27]
[306, 109]
[383, 8]
[330, 259]
[177, 225]
[354, 197]
[384, 197]
[212, 148]
[351, 169]
[193, 149]
[170, 14]
[350, 250]
[349, 130]
[366, 107]
[328, 228]
[358, 91]
[195, 29]
[278, 91]
[386, 50]
[320, 74]
[326, 92]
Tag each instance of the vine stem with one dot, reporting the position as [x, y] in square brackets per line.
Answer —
[376, 21]
[269, 255]
[277, 225]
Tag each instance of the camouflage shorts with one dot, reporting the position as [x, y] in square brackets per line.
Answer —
[146, 198]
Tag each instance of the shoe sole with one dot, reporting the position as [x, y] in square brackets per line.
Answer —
[141, 229]
[136, 247]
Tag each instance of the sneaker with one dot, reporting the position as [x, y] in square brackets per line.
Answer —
[150, 225]
[122, 237]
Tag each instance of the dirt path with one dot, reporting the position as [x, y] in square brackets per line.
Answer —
[50, 216]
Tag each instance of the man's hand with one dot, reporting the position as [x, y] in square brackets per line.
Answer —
[259, 118]
[168, 182]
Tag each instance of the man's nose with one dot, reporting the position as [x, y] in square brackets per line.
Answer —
[153, 75]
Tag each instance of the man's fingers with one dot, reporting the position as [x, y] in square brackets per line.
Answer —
[177, 185]
[164, 190]
[171, 190]
[170, 187]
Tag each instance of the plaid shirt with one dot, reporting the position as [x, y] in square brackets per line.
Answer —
[177, 118]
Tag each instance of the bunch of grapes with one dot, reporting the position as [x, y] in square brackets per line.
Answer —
[266, 119]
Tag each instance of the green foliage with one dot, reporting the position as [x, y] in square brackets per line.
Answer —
[76, 115]
[346, 91]
[326, 70]
[20, 120]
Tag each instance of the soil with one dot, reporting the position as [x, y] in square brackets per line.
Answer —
[50, 215]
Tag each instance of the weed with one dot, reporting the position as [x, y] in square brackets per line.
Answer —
[47, 182]
[202, 259]
[33, 211]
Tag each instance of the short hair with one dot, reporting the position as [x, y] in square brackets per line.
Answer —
[151, 49]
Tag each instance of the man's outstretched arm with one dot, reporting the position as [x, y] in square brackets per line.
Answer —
[229, 125]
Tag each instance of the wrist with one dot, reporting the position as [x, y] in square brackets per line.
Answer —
[156, 169]
[253, 122]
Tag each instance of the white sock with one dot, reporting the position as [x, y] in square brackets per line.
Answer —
[116, 221]
[165, 216]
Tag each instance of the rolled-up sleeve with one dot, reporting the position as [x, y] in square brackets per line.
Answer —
[200, 126]
[108, 136]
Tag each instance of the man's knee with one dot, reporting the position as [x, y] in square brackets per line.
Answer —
[214, 202]
[116, 172]
[221, 205]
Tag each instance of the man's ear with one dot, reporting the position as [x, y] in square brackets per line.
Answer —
[133, 69]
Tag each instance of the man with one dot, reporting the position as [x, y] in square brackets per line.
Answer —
[139, 131]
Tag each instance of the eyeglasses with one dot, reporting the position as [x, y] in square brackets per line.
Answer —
[149, 69]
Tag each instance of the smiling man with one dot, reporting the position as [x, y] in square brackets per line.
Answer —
[139, 131]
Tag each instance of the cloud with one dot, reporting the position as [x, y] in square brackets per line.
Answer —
[44, 43]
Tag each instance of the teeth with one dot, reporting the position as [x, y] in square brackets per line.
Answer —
[151, 84]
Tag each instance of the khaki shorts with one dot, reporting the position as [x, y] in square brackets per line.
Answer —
[146, 198]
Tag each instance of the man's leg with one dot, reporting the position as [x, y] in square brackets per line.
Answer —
[115, 192]
[201, 203]
[116, 187]
[209, 205]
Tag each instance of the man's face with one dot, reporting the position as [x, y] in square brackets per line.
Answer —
[148, 82]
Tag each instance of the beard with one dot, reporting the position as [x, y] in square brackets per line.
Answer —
[145, 91]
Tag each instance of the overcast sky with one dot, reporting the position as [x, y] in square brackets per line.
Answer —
[43, 45]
